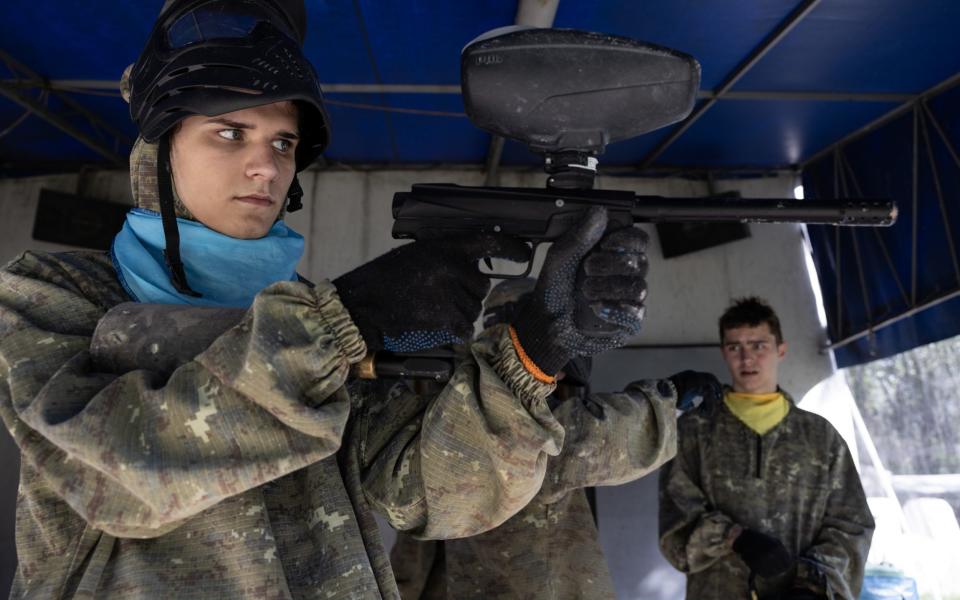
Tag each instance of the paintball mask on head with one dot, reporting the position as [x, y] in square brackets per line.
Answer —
[211, 57]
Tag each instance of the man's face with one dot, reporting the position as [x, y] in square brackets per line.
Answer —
[233, 171]
[752, 356]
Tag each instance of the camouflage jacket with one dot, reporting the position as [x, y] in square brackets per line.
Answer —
[249, 472]
[797, 483]
[550, 550]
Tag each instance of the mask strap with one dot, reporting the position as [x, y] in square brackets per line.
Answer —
[294, 196]
[168, 215]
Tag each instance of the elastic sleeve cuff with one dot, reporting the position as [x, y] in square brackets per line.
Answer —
[536, 334]
[334, 315]
[527, 362]
[507, 363]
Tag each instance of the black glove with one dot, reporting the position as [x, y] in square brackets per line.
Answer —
[802, 594]
[586, 272]
[425, 294]
[694, 388]
[764, 554]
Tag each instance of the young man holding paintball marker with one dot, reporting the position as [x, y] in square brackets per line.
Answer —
[763, 499]
[251, 469]
[550, 550]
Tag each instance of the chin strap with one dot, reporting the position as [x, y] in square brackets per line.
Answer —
[168, 215]
[294, 196]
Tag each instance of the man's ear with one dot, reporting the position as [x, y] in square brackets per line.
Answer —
[782, 349]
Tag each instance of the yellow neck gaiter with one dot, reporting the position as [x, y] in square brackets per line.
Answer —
[759, 412]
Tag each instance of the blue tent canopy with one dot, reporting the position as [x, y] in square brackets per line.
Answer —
[888, 290]
[805, 75]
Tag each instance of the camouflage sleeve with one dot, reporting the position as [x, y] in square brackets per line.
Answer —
[693, 536]
[462, 461]
[611, 439]
[834, 564]
[135, 454]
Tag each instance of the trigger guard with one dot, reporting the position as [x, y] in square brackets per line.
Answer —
[526, 271]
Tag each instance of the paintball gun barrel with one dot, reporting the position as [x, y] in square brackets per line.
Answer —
[542, 215]
[538, 215]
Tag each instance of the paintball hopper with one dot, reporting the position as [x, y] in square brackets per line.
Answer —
[561, 90]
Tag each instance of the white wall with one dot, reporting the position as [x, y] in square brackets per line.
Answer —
[347, 221]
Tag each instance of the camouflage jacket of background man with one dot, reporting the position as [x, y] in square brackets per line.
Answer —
[797, 483]
[251, 471]
[550, 550]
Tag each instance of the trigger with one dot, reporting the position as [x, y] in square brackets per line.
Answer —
[488, 262]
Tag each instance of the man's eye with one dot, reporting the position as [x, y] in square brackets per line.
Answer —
[230, 134]
[282, 145]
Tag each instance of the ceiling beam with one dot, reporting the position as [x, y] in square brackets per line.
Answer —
[811, 96]
[42, 111]
[81, 85]
[42, 82]
[758, 53]
[944, 85]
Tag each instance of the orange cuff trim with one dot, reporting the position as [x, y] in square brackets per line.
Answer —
[528, 364]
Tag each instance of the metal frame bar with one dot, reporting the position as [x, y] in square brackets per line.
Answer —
[16, 94]
[81, 85]
[944, 85]
[924, 129]
[94, 120]
[758, 53]
[916, 192]
[23, 116]
[883, 245]
[891, 266]
[60, 123]
[809, 96]
[922, 118]
[887, 322]
[941, 133]
[861, 275]
[856, 241]
[838, 281]
[492, 165]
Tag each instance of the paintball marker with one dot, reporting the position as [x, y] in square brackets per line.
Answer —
[566, 94]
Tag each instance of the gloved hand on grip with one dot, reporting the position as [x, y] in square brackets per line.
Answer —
[589, 297]
[764, 554]
[424, 294]
[695, 388]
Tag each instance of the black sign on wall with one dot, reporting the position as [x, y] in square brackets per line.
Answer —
[677, 239]
[682, 238]
[77, 221]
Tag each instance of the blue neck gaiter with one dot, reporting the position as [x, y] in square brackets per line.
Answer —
[226, 271]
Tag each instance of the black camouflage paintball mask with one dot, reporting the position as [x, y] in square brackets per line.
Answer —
[211, 57]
